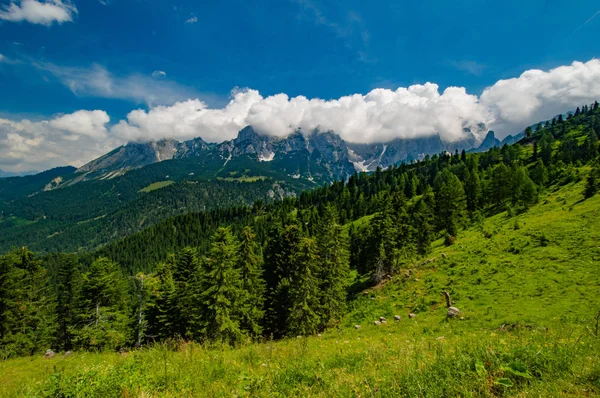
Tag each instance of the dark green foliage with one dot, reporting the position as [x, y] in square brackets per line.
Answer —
[304, 290]
[28, 321]
[539, 174]
[222, 293]
[253, 284]
[500, 184]
[102, 318]
[333, 269]
[450, 201]
[592, 185]
[68, 283]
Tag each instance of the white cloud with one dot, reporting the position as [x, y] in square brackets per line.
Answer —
[1, 57]
[39, 12]
[97, 81]
[157, 74]
[539, 95]
[381, 115]
[68, 139]
[192, 20]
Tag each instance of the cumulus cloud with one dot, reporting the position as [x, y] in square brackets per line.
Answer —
[99, 82]
[192, 20]
[379, 116]
[39, 12]
[67, 139]
[539, 95]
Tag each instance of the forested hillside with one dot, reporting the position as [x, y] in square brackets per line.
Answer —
[89, 214]
[364, 262]
[282, 269]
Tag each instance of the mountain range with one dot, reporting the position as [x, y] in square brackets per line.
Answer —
[317, 156]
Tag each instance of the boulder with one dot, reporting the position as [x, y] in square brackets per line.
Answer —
[377, 323]
[453, 312]
[356, 327]
[397, 317]
[382, 318]
[67, 354]
[384, 322]
[49, 354]
[411, 315]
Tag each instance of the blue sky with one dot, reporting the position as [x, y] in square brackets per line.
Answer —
[155, 52]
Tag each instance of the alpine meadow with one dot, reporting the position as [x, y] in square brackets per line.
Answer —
[299, 198]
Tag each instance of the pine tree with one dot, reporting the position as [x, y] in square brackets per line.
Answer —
[28, 317]
[68, 284]
[188, 310]
[281, 249]
[473, 190]
[382, 241]
[590, 147]
[539, 174]
[162, 308]
[450, 201]
[500, 184]
[103, 321]
[334, 268]
[523, 189]
[303, 317]
[593, 181]
[222, 290]
[253, 285]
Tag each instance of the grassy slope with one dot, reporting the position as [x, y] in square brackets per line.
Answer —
[156, 185]
[542, 278]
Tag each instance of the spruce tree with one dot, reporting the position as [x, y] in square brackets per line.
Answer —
[334, 268]
[253, 284]
[103, 321]
[188, 311]
[500, 184]
[593, 181]
[28, 317]
[162, 308]
[222, 290]
[450, 201]
[303, 318]
[382, 241]
[473, 190]
[281, 249]
[539, 174]
[68, 284]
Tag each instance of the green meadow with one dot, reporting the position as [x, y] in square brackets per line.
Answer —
[527, 286]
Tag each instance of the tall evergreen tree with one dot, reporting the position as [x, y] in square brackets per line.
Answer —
[28, 321]
[253, 284]
[500, 184]
[103, 321]
[473, 190]
[68, 284]
[222, 290]
[334, 268]
[593, 181]
[304, 291]
[450, 201]
[162, 308]
[282, 246]
[188, 311]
